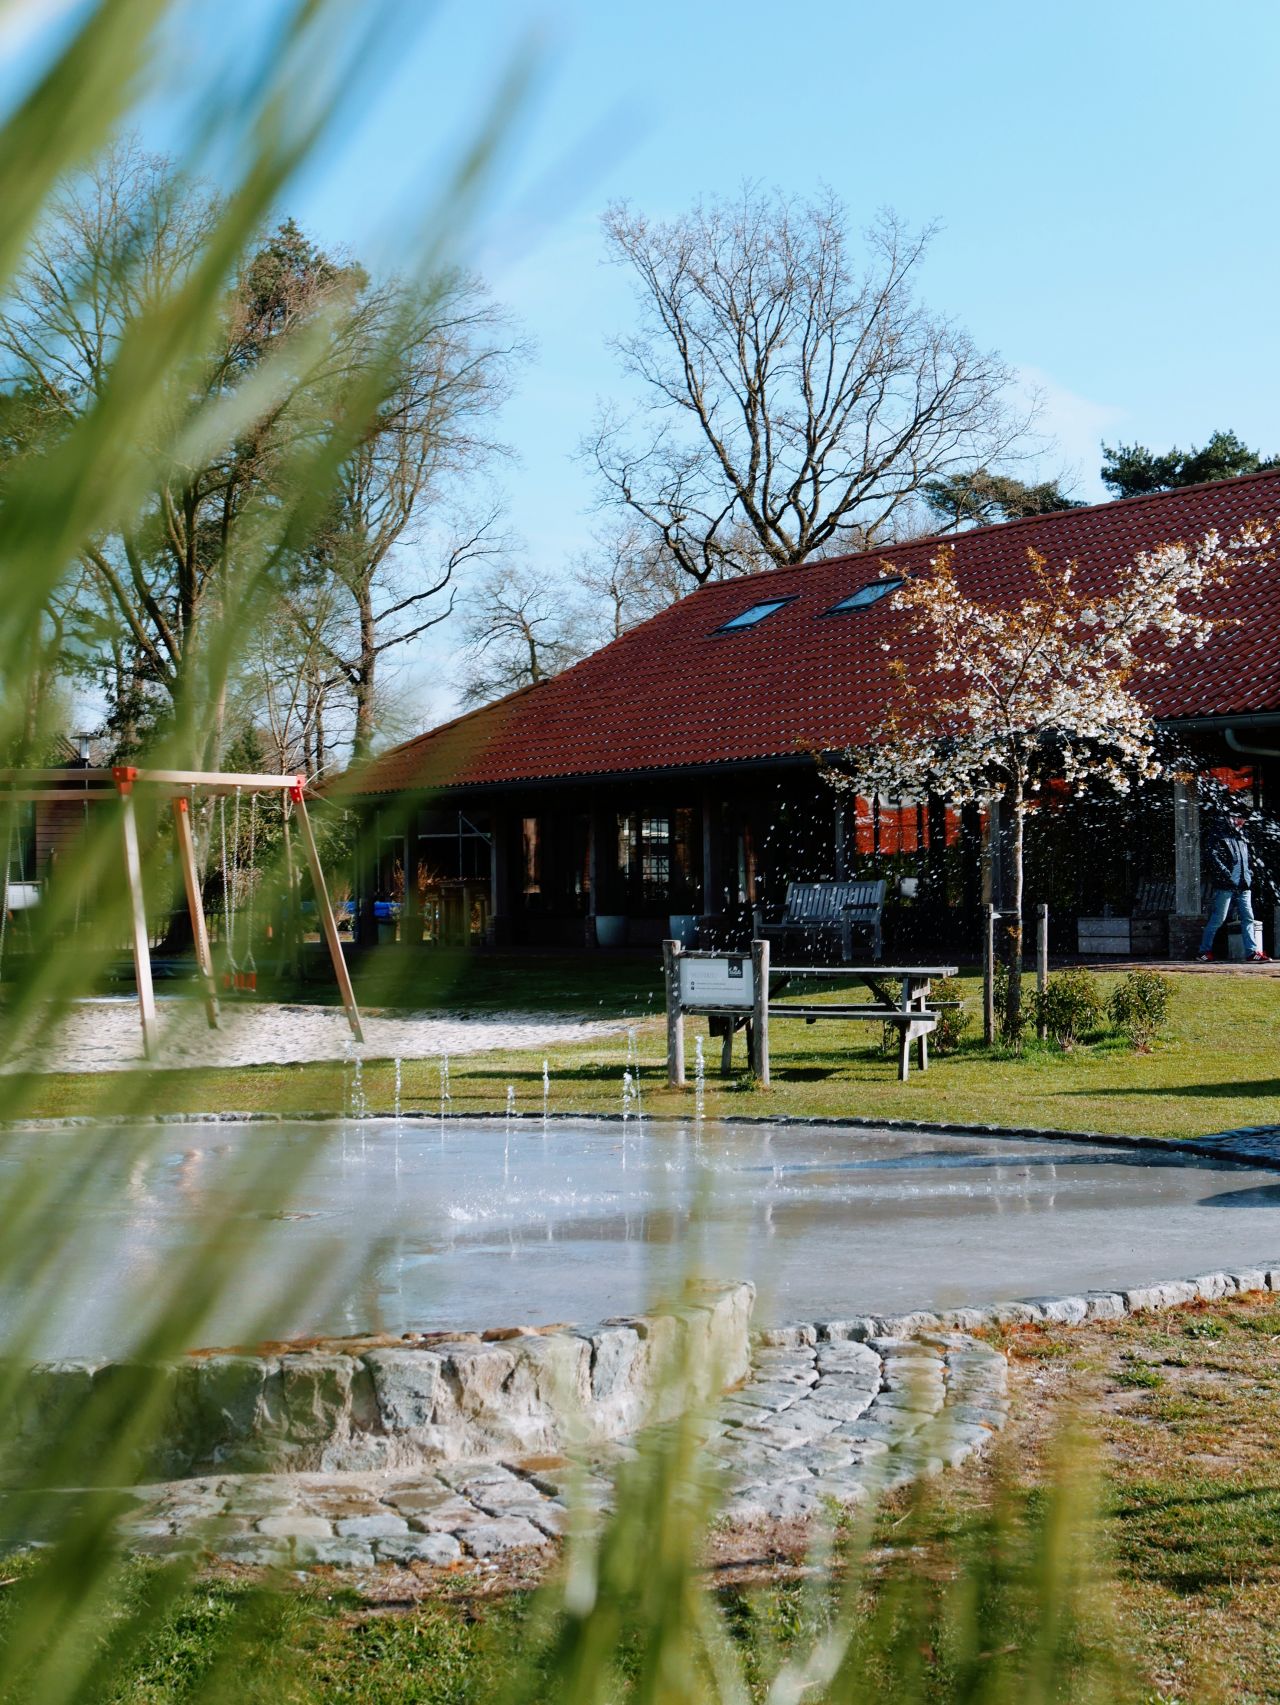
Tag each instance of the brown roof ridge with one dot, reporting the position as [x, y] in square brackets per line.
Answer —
[914, 544]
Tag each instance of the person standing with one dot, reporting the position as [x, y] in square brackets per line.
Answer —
[1231, 873]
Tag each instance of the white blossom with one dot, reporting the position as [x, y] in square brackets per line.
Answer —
[1049, 685]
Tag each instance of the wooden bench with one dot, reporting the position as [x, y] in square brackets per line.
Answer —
[815, 912]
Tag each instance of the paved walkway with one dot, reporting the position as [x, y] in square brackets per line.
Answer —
[104, 1035]
[1215, 967]
[820, 1422]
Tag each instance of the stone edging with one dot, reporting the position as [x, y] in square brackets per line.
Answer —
[385, 1405]
[819, 1424]
[390, 1463]
[1069, 1310]
[834, 1412]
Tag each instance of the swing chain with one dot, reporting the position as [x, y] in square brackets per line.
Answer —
[230, 879]
[250, 963]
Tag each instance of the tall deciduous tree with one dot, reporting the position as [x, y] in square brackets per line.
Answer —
[401, 491]
[624, 578]
[368, 575]
[120, 240]
[1023, 692]
[520, 629]
[1131, 470]
[794, 394]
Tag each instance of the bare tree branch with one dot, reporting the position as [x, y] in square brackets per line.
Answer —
[791, 403]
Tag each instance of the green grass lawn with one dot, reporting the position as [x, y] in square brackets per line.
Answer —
[1216, 1067]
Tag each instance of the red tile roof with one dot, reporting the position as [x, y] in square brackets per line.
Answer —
[675, 693]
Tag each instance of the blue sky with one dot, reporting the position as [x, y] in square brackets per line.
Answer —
[1103, 174]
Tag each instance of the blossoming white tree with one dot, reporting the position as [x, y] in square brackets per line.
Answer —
[994, 700]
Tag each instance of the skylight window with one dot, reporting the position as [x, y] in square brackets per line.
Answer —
[749, 618]
[864, 596]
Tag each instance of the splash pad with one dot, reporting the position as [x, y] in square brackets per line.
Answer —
[429, 1224]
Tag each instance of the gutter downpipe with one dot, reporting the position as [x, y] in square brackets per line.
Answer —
[1220, 724]
[1237, 745]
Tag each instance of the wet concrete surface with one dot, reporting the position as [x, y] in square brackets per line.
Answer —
[421, 1226]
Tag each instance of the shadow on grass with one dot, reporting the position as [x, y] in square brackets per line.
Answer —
[1226, 1520]
[1228, 1090]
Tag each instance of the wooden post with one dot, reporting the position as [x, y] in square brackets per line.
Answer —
[760, 1010]
[1042, 967]
[675, 1017]
[325, 911]
[989, 975]
[195, 908]
[137, 913]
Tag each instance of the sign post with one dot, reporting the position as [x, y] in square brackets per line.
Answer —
[760, 1012]
[731, 989]
[675, 1015]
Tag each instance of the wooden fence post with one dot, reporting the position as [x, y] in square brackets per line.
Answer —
[675, 1017]
[1042, 967]
[760, 1010]
[989, 976]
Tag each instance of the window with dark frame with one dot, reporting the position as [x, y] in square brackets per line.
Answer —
[864, 597]
[749, 617]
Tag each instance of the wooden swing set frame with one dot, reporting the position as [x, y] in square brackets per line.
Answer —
[118, 783]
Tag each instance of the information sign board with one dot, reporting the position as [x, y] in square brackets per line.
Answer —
[724, 981]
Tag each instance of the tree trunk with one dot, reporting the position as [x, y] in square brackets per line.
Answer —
[366, 666]
[1013, 1003]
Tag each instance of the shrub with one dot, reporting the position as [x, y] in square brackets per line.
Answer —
[1000, 997]
[1070, 1006]
[954, 1020]
[1139, 1005]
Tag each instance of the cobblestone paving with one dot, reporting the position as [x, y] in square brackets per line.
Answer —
[105, 1036]
[823, 1420]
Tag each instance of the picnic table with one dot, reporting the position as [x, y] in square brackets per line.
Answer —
[743, 992]
[901, 998]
